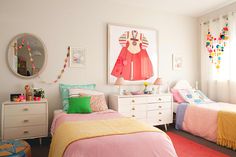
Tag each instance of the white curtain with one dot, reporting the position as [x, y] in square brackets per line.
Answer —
[219, 85]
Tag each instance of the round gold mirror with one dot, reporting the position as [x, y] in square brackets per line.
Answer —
[26, 55]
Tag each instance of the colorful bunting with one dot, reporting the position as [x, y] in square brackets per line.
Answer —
[32, 60]
[216, 46]
[62, 70]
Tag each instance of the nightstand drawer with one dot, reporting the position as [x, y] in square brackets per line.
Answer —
[157, 106]
[26, 120]
[159, 99]
[24, 132]
[23, 109]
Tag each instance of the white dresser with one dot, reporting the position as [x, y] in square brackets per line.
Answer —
[153, 109]
[24, 120]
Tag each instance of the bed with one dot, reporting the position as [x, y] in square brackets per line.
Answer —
[139, 144]
[106, 134]
[214, 121]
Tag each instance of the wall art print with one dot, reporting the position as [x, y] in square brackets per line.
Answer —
[177, 62]
[132, 54]
[77, 57]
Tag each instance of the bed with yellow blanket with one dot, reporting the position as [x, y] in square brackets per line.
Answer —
[106, 134]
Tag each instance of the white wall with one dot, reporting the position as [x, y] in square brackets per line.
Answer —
[218, 12]
[83, 23]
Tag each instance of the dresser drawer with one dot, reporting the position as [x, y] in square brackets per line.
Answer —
[132, 100]
[165, 98]
[23, 109]
[159, 117]
[158, 106]
[24, 132]
[26, 120]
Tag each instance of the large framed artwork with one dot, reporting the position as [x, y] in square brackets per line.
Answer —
[132, 54]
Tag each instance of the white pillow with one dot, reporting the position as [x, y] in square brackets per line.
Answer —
[75, 92]
[182, 84]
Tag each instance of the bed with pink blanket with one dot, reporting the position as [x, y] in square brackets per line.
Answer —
[140, 144]
[202, 119]
[197, 114]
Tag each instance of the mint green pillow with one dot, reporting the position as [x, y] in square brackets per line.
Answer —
[79, 105]
[64, 91]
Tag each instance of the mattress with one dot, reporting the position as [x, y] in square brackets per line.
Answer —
[151, 144]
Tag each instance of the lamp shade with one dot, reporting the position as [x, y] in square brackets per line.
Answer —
[158, 81]
[119, 81]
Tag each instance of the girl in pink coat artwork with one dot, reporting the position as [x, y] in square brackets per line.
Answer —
[133, 62]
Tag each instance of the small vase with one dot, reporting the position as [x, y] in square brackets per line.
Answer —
[145, 91]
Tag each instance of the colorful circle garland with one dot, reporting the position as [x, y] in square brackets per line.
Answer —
[216, 45]
[32, 60]
[62, 70]
[29, 51]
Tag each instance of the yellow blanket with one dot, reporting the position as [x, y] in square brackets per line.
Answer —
[69, 132]
[226, 131]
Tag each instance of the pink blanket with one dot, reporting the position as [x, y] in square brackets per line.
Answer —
[150, 144]
[201, 120]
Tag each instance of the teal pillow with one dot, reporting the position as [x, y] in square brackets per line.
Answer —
[79, 105]
[64, 91]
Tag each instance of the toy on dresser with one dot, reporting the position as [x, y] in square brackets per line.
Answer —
[28, 93]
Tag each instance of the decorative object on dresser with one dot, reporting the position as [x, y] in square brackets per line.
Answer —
[28, 93]
[38, 94]
[119, 82]
[24, 120]
[158, 82]
[153, 109]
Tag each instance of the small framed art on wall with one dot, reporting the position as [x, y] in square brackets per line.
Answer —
[77, 57]
[177, 61]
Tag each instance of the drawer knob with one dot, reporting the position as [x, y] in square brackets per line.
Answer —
[133, 100]
[133, 108]
[26, 132]
[159, 120]
[133, 115]
[159, 99]
[25, 109]
[159, 112]
[26, 121]
[159, 106]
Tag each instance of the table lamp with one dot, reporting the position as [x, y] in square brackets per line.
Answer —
[119, 82]
[158, 82]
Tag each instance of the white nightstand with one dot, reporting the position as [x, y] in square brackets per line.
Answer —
[24, 120]
[153, 109]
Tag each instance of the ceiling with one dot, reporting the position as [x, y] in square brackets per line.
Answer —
[194, 8]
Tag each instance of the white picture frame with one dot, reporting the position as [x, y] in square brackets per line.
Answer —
[114, 49]
[77, 57]
[177, 61]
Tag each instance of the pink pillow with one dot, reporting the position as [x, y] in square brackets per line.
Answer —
[177, 97]
[97, 102]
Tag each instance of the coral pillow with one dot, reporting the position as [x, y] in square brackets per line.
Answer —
[97, 102]
[177, 97]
